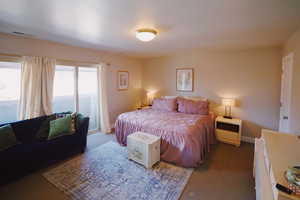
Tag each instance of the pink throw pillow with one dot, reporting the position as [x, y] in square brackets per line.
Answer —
[164, 104]
[193, 107]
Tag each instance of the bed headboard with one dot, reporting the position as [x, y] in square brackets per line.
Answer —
[196, 98]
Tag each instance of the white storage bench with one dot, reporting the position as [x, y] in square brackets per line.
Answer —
[143, 148]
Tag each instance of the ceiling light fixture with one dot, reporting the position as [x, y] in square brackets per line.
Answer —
[145, 34]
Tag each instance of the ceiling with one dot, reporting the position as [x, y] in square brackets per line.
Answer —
[110, 24]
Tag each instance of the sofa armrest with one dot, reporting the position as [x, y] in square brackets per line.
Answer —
[83, 131]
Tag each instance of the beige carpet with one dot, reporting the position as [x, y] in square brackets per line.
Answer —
[226, 175]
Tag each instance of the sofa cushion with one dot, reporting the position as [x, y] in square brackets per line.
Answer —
[60, 127]
[15, 160]
[43, 132]
[7, 137]
[26, 130]
[20, 151]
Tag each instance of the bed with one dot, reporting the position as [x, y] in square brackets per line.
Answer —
[185, 138]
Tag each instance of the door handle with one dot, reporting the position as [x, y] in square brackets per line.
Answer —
[285, 117]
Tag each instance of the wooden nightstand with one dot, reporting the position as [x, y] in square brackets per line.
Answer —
[229, 130]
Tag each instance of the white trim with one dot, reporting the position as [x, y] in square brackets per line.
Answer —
[286, 92]
[248, 139]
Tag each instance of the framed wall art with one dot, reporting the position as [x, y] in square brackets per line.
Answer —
[123, 80]
[185, 79]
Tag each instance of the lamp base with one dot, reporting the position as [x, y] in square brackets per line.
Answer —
[227, 117]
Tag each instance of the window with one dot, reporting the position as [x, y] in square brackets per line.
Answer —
[63, 89]
[75, 89]
[88, 94]
[10, 77]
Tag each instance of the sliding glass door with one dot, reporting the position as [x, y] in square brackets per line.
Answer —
[88, 94]
[76, 89]
[64, 89]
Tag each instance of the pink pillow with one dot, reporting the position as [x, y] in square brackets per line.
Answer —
[192, 107]
[164, 104]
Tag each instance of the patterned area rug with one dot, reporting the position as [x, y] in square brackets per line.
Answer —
[106, 173]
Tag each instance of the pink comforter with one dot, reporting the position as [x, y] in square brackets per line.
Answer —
[185, 138]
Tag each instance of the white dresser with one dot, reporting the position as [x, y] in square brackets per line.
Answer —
[143, 148]
[274, 153]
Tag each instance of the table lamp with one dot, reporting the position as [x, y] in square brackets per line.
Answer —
[150, 97]
[228, 102]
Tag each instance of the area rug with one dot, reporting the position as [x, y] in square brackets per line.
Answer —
[106, 173]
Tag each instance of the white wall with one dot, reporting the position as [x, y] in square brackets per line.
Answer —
[251, 76]
[119, 101]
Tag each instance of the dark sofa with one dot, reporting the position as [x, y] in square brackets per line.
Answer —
[32, 154]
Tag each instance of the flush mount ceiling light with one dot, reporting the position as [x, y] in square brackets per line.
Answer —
[145, 34]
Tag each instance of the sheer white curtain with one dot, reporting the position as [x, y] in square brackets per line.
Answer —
[37, 74]
[102, 96]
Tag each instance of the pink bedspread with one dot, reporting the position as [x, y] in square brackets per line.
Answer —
[185, 138]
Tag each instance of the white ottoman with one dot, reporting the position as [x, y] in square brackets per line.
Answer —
[143, 148]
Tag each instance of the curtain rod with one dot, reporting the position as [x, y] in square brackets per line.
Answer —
[59, 60]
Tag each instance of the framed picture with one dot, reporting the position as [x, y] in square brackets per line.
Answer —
[185, 79]
[123, 80]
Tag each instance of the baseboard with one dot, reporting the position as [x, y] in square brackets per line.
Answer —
[248, 139]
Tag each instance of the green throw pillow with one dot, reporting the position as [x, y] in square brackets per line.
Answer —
[7, 137]
[60, 127]
[73, 123]
[43, 131]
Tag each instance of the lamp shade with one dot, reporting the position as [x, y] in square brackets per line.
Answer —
[150, 97]
[228, 102]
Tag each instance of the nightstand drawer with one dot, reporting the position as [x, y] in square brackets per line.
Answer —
[222, 134]
[228, 127]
